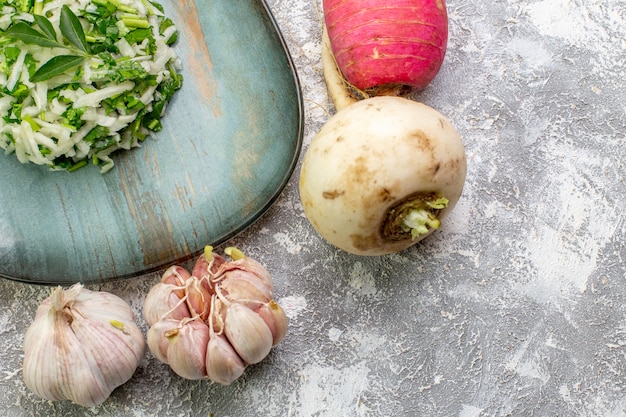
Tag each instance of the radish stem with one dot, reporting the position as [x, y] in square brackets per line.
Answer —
[338, 87]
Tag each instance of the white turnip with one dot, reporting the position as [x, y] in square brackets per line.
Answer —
[381, 175]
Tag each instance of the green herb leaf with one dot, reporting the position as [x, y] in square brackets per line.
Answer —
[72, 30]
[55, 66]
[46, 26]
[28, 35]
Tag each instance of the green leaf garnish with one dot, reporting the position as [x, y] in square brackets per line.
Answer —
[56, 66]
[72, 30]
[46, 26]
[28, 35]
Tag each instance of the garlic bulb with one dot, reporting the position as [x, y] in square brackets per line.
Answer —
[213, 322]
[81, 345]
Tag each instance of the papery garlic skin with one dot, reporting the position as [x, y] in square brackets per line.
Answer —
[81, 345]
[276, 320]
[231, 320]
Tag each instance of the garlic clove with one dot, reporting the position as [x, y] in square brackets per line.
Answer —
[201, 268]
[247, 333]
[223, 364]
[177, 276]
[245, 265]
[275, 318]
[158, 342]
[198, 298]
[243, 287]
[163, 301]
[187, 350]
[255, 268]
[41, 375]
[207, 264]
[218, 314]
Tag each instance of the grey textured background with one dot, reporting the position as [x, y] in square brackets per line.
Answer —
[516, 307]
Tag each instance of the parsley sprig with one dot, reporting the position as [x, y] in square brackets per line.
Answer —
[72, 32]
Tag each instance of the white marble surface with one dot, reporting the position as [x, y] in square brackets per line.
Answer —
[516, 307]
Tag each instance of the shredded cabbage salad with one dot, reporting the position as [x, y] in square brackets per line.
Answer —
[80, 79]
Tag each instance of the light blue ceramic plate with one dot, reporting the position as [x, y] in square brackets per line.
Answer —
[229, 144]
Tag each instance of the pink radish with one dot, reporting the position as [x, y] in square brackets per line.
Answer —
[387, 42]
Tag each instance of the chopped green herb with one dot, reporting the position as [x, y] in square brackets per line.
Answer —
[25, 5]
[20, 92]
[33, 124]
[98, 132]
[138, 35]
[78, 165]
[165, 24]
[73, 117]
[135, 22]
[11, 53]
